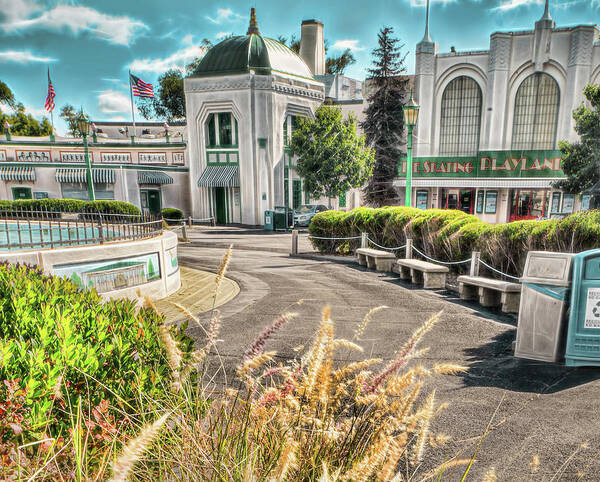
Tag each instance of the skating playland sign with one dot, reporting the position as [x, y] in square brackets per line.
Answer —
[489, 164]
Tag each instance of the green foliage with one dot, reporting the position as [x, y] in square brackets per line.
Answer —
[6, 95]
[332, 158]
[71, 117]
[172, 214]
[71, 206]
[581, 160]
[22, 124]
[169, 99]
[339, 64]
[384, 121]
[60, 343]
[449, 235]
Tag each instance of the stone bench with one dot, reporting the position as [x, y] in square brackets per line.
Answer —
[375, 259]
[490, 292]
[430, 275]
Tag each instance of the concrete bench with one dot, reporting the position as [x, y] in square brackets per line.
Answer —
[375, 259]
[430, 275]
[490, 292]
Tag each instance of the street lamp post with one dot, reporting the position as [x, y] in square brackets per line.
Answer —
[83, 125]
[411, 114]
[7, 130]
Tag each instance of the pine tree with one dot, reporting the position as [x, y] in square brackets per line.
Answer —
[384, 122]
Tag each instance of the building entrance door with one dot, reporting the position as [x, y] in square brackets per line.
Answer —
[466, 201]
[220, 205]
[150, 200]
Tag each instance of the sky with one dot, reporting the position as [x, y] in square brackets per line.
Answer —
[90, 45]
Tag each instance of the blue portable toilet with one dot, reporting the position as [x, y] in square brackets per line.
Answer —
[583, 332]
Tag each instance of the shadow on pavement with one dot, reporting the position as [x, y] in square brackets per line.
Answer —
[493, 365]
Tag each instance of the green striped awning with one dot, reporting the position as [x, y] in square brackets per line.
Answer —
[220, 176]
[17, 173]
[79, 175]
[154, 177]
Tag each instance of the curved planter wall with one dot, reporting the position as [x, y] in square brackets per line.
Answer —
[115, 270]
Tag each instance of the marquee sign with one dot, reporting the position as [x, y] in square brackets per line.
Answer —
[152, 158]
[178, 158]
[73, 156]
[118, 157]
[489, 164]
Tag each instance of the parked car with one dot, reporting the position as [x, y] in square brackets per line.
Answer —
[305, 212]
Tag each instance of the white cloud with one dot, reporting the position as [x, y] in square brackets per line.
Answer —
[512, 4]
[41, 112]
[26, 14]
[225, 15]
[112, 101]
[347, 44]
[188, 39]
[117, 118]
[177, 60]
[221, 35]
[22, 57]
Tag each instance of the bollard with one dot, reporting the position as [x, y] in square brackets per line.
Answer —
[408, 254]
[190, 221]
[213, 221]
[363, 240]
[294, 242]
[474, 271]
[184, 231]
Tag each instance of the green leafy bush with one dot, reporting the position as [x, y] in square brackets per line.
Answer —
[59, 344]
[172, 214]
[71, 206]
[449, 235]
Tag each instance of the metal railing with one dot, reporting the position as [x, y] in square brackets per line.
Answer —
[27, 229]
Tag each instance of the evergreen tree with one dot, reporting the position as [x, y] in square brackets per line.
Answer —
[384, 122]
[581, 160]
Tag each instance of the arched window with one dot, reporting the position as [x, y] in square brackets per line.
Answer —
[536, 113]
[460, 118]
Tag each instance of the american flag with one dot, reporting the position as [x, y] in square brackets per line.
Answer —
[141, 88]
[49, 105]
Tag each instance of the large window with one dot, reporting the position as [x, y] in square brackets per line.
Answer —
[79, 190]
[460, 118]
[221, 130]
[536, 113]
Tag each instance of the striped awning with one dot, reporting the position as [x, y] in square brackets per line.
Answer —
[154, 177]
[17, 173]
[79, 175]
[220, 176]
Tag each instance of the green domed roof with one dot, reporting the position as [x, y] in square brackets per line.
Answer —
[237, 55]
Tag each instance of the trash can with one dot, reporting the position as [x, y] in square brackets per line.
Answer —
[282, 217]
[269, 221]
[583, 335]
[544, 303]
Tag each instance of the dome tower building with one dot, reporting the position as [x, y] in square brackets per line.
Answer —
[241, 101]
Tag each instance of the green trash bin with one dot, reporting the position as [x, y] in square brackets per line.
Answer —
[583, 335]
[282, 218]
[269, 223]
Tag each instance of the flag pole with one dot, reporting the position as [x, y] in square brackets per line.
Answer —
[132, 110]
[51, 110]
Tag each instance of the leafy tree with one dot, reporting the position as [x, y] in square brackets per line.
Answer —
[293, 44]
[384, 122]
[332, 158]
[581, 160]
[333, 65]
[169, 99]
[68, 113]
[22, 124]
[6, 95]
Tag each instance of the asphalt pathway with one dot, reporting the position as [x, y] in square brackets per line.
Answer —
[532, 408]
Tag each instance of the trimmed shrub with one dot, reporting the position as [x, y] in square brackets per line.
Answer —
[72, 206]
[172, 214]
[60, 344]
[449, 235]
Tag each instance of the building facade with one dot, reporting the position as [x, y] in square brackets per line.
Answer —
[490, 121]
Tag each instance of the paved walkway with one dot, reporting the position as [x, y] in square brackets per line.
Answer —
[542, 409]
[197, 293]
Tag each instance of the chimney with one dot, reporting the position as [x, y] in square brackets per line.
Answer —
[312, 46]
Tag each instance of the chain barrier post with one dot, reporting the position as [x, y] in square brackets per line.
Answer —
[409, 246]
[474, 270]
[294, 242]
[184, 231]
[190, 221]
[363, 240]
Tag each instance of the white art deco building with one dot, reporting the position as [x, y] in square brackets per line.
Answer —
[490, 120]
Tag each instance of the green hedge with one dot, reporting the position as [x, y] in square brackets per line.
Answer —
[71, 206]
[59, 344]
[172, 214]
[449, 235]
